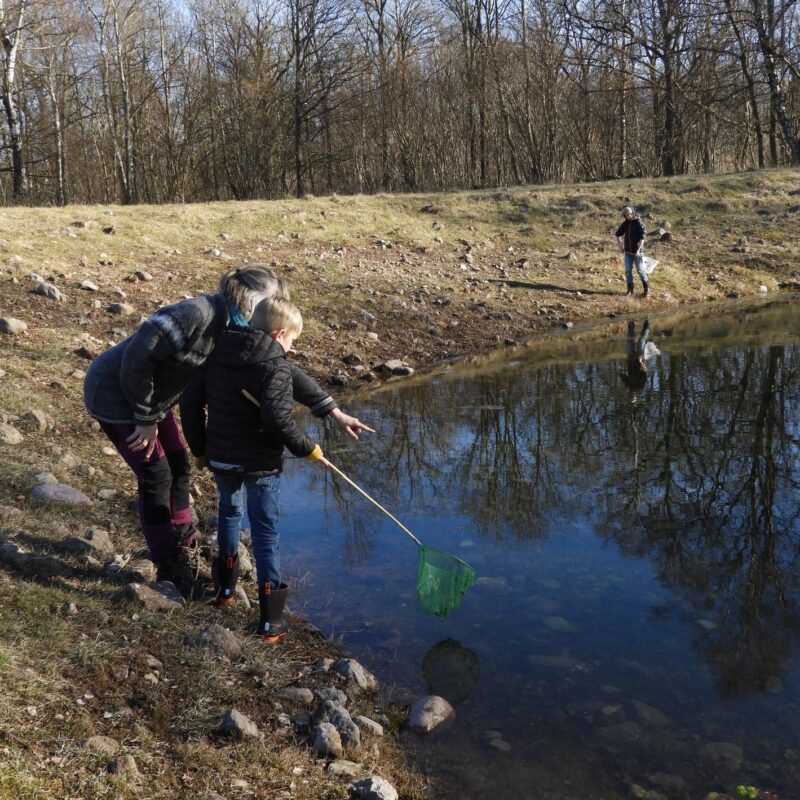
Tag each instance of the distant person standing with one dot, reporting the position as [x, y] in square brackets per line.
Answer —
[630, 236]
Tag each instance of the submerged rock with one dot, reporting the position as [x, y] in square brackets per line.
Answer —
[429, 713]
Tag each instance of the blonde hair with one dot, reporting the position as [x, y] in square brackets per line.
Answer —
[275, 314]
[246, 286]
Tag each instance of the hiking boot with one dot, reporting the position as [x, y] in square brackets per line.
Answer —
[226, 574]
[186, 570]
[272, 625]
[165, 570]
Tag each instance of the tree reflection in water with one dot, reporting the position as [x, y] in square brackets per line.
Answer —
[700, 476]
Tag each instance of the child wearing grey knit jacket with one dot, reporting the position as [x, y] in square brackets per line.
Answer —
[131, 389]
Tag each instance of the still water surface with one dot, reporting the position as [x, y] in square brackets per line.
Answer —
[636, 538]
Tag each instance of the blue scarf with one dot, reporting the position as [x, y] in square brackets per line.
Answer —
[236, 318]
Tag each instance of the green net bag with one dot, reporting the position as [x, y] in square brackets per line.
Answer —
[442, 580]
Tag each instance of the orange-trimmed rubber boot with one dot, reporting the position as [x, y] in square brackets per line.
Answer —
[273, 625]
[226, 575]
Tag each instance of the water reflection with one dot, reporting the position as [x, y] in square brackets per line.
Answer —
[635, 618]
[701, 478]
[635, 375]
[451, 670]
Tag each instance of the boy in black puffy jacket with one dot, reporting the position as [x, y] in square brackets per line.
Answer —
[242, 444]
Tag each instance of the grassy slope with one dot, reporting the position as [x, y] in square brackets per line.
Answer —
[428, 304]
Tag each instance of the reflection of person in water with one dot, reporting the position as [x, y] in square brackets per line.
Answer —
[635, 376]
[451, 670]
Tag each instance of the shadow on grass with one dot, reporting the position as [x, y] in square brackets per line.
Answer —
[551, 287]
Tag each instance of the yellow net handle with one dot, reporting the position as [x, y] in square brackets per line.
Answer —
[353, 484]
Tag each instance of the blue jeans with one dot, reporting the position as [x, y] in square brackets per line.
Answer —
[261, 498]
[630, 260]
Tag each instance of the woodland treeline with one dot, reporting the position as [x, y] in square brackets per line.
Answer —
[183, 100]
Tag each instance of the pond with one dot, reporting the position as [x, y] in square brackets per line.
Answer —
[636, 537]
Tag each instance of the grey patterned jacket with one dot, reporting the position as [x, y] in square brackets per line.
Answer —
[140, 379]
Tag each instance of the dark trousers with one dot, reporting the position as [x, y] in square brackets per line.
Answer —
[163, 480]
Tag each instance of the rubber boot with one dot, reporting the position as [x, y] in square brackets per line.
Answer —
[272, 625]
[630, 290]
[645, 289]
[226, 574]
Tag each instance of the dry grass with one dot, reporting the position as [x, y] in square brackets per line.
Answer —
[540, 257]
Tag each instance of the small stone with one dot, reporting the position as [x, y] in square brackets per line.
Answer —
[724, 755]
[216, 638]
[338, 716]
[9, 434]
[9, 512]
[238, 725]
[47, 290]
[155, 596]
[241, 596]
[498, 743]
[69, 461]
[373, 788]
[295, 694]
[11, 326]
[102, 745]
[649, 715]
[140, 570]
[344, 769]
[121, 309]
[123, 765]
[327, 741]
[107, 494]
[151, 661]
[368, 725]
[38, 420]
[95, 540]
[60, 493]
[331, 693]
[89, 286]
[763, 289]
[44, 477]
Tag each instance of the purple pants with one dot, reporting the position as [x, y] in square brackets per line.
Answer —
[163, 486]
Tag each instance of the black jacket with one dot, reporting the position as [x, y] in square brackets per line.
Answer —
[248, 439]
[633, 231]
